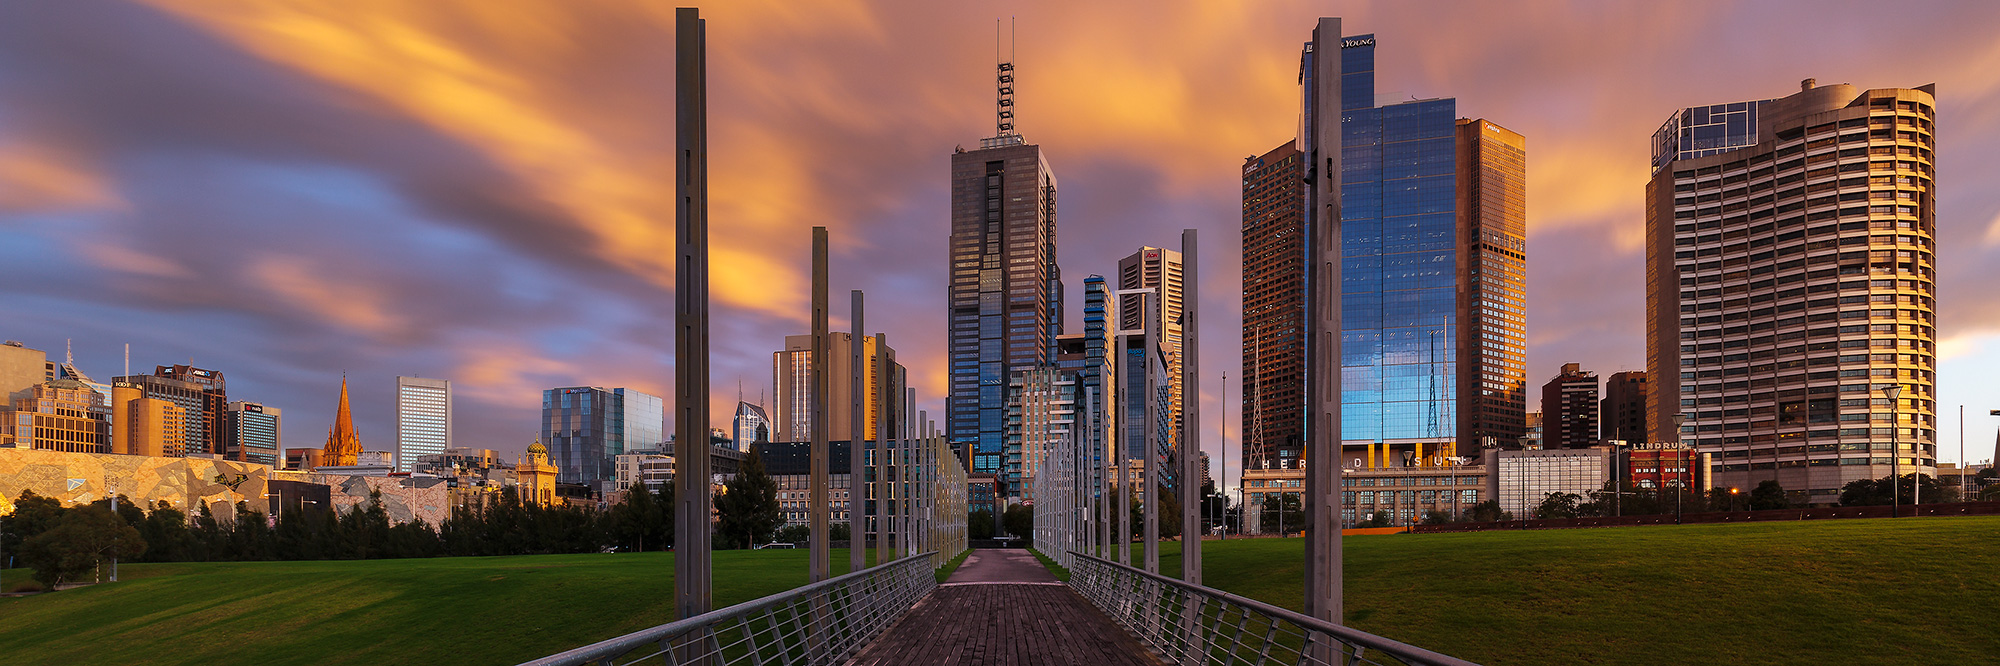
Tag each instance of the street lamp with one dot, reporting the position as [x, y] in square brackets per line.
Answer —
[1895, 450]
[1732, 499]
[1680, 456]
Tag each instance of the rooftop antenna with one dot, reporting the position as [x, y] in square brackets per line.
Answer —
[1004, 83]
[68, 358]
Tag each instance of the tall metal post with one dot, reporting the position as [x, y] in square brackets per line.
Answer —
[1149, 449]
[913, 481]
[1322, 458]
[858, 367]
[1122, 439]
[1190, 413]
[883, 399]
[1895, 450]
[693, 584]
[820, 565]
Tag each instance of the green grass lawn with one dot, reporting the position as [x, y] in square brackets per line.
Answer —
[1908, 591]
[461, 610]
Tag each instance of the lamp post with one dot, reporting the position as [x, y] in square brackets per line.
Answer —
[1732, 499]
[1895, 451]
[1680, 472]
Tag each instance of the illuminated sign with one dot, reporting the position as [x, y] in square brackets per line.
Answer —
[1658, 446]
[1357, 43]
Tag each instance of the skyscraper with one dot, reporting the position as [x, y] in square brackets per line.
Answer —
[750, 425]
[1160, 269]
[791, 373]
[1493, 284]
[1432, 252]
[1569, 409]
[1003, 305]
[1274, 300]
[254, 433]
[1789, 282]
[201, 405]
[1623, 414]
[586, 427]
[214, 401]
[423, 419]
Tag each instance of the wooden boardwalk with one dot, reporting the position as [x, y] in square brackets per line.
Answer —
[995, 610]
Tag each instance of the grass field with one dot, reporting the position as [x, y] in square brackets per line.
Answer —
[465, 610]
[1908, 591]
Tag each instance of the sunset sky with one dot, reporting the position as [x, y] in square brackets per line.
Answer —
[286, 190]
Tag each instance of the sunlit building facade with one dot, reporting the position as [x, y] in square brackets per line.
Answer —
[1274, 283]
[1790, 283]
[423, 419]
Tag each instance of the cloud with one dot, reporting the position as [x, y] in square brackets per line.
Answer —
[33, 179]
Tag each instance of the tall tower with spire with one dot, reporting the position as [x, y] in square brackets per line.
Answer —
[1006, 291]
[343, 447]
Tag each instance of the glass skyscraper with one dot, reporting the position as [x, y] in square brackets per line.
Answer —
[1398, 260]
[585, 427]
[1005, 301]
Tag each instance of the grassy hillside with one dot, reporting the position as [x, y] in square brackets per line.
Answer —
[470, 610]
[1914, 590]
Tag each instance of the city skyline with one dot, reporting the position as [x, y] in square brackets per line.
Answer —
[352, 219]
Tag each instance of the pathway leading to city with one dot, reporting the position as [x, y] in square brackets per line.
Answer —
[1003, 607]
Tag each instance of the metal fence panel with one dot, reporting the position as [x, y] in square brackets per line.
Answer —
[821, 623]
[1193, 625]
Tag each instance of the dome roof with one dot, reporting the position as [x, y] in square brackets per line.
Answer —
[538, 448]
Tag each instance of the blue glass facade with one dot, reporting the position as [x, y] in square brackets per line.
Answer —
[1398, 260]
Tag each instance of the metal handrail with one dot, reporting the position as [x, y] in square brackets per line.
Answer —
[1192, 624]
[820, 623]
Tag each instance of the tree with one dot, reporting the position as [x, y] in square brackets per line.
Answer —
[792, 534]
[1875, 492]
[84, 538]
[1769, 495]
[639, 522]
[1558, 505]
[748, 506]
[1488, 511]
[1436, 517]
[1019, 520]
[33, 515]
[1282, 511]
[1721, 499]
[1380, 518]
[979, 524]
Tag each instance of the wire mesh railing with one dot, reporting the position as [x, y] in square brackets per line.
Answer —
[1193, 625]
[821, 623]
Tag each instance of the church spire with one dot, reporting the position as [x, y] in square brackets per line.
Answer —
[343, 447]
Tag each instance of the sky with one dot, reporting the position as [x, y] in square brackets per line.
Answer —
[289, 191]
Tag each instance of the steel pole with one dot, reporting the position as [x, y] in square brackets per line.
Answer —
[1190, 481]
[693, 582]
[883, 398]
[819, 566]
[1323, 584]
[857, 367]
[1149, 449]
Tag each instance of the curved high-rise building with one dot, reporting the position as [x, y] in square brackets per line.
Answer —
[1789, 280]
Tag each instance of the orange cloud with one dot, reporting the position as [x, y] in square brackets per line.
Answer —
[299, 283]
[38, 179]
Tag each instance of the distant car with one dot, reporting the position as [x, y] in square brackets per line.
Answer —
[775, 544]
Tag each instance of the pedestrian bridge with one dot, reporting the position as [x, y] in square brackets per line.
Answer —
[1000, 607]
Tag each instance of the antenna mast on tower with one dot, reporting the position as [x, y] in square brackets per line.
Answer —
[1003, 106]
